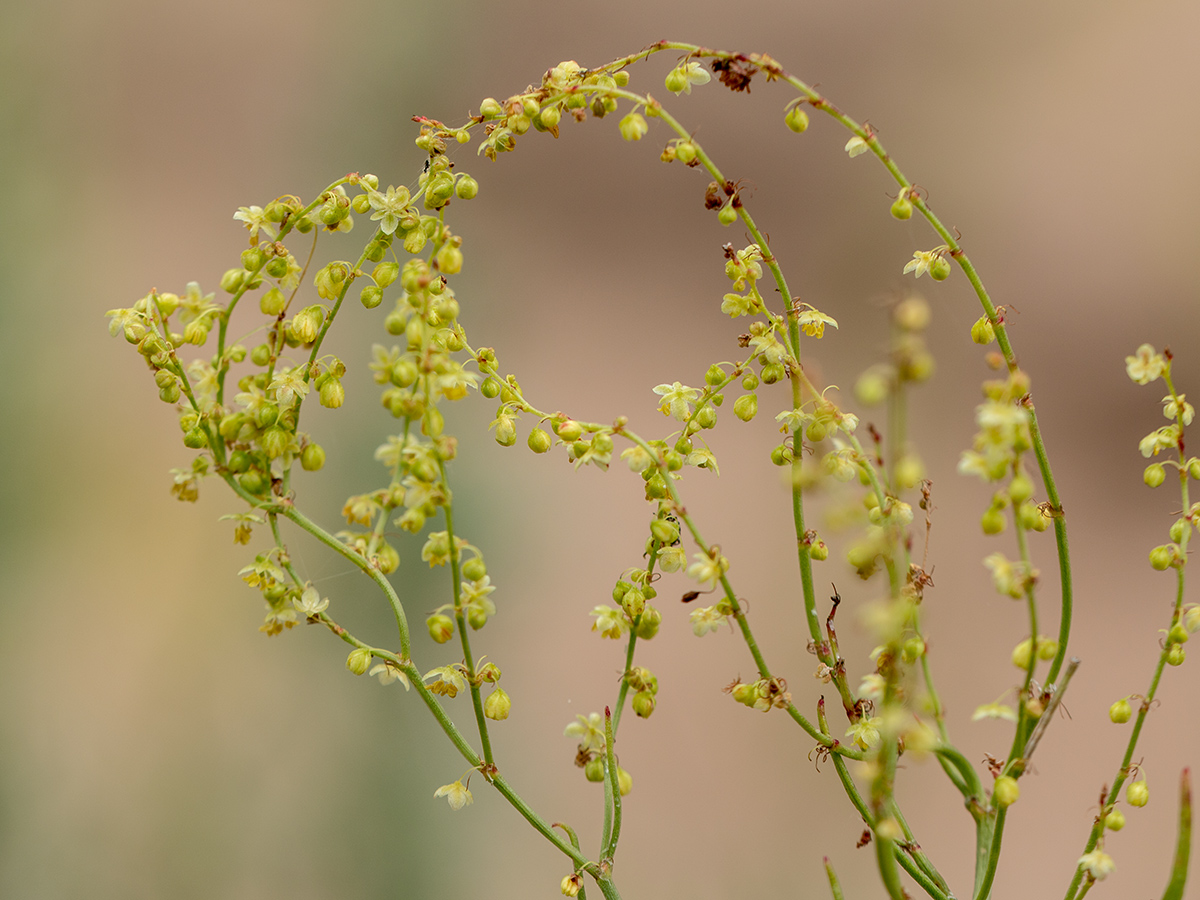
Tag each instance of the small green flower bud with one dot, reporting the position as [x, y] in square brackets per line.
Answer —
[1120, 712]
[1162, 557]
[1191, 619]
[569, 430]
[1115, 820]
[664, 531]
[1020, 488]
[912, 649]
[782, 455]
[1022, 654]
[253, 482]
[647, 626]
[274, 441]
[195, 438]
[277, 266]
[818, 550]
[656, 488]
[441, 627]
[497, 705]
[449, 259]
[674, 461]
[539, 441]
[359, 660]
[746, 407]
[1178, 634]
[624, 781]
[1180, 529]
[506, 431]
[387, 559]
[1154, 475]
[677, 80]
[466, 188]
[707, 417]
[796, 119]
[940, 270]
[170, 392]
[332, 394]
[773, 372]
[239, 462]
[685, 152]
[490, 388]
[633, 127]
[232, 280]
[594, 770]
[371, 296]
[982, 332]
[1006, 791]
[272, 302]
[361, 203]
[1193, 467]
[902, 207]
[312, 458]
[643, 704]
[728, 215]
[993, 521]
[1176, 655]
[619, 590]
[714, 375]
[1137, 794]
[490, 108]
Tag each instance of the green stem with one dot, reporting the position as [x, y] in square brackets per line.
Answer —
[984, 880]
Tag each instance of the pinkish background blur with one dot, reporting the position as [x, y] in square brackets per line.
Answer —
[154, 744]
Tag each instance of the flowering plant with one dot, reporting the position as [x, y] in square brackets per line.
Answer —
[240, 410]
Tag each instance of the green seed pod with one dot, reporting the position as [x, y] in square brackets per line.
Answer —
[728, 215]
[664, 531]
[490, 388]
[1180, 529]
[312, 458]
[707, 417]
[1176, 655]
[983, 332]
[819, 550]
[796, 119]
[683, 446]
[477, 617]
[395, 322]
[385, 273]
[548, 119]
[773, 372]
[387, 559]
[782, 455]
[1120, 712]
[1115, 820]
[1022, 654]
[1154, 475]
[1020, 488]
[656, 488]
[332, 394]
[902, 208]
[361, 203]
[594, 770]
[940, 270]
[714, 376]
[539, 441]
[674, 461]
[619, 590]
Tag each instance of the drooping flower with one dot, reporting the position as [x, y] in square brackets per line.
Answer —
[856, 146]
[677, 399]
[590, 731]
[387, 672]
[457, 795]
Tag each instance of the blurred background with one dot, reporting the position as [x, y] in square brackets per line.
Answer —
[155, 744]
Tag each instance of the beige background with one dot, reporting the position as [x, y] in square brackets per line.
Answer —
[155, 745]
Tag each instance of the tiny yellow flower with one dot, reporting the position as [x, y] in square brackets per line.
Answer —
[590, 731]
[813, 321]
[856, 146]
[1146, 365]
[456, 794]
[1174, 409]
[387, 672]
[706, 620]
[1097, 864]
[865, 731]
[921, 262]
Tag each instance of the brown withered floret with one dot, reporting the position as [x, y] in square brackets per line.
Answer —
[735, 74]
